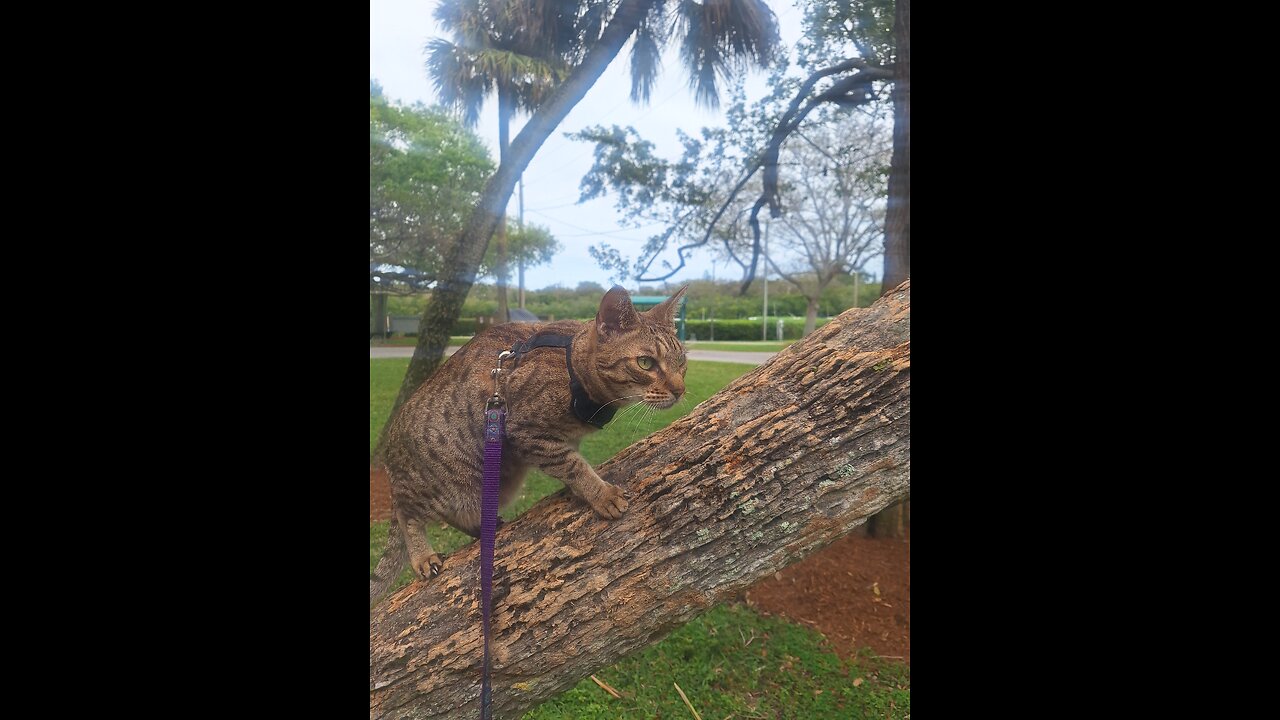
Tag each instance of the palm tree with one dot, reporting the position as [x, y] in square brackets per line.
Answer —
[719, 37]
[516, 50]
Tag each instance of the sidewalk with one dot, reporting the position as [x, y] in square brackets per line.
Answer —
[750, 358]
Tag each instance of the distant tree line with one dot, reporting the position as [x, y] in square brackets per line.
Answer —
[707, 299]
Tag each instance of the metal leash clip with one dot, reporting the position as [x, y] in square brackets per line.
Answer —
[496, 400]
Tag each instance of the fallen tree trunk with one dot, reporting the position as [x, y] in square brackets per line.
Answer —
[787, 459]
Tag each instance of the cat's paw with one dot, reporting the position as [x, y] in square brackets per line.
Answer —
[427, 566]
[611, 502]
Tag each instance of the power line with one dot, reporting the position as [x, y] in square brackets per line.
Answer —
[552, 207]
[591, 148]
[588, 231]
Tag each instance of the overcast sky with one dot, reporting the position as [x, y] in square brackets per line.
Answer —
[400, 29]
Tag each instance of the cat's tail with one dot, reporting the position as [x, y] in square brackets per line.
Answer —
[390, 564]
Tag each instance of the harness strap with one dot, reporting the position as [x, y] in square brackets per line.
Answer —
[583, 407]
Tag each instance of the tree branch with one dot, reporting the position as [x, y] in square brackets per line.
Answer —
[787, 459]
[768, 159]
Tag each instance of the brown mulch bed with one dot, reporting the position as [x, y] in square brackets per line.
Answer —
[833, 591]
[379, 495]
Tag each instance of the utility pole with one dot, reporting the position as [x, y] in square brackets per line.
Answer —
[520, 222]
[764, 326]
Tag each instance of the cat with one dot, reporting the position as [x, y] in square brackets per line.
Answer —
[435, 445]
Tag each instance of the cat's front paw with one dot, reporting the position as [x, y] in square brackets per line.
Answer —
[427, 566]
[611, 502]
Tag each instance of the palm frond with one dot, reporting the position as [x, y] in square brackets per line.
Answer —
[722, 36]
[646, 52]
[454, 73]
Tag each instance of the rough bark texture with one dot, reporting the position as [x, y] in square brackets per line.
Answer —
[787, 459]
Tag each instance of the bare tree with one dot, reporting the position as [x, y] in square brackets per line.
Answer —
[835, 205]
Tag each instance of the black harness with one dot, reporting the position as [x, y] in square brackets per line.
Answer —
[583, 407]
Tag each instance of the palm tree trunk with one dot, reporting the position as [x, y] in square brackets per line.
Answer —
[897, 231]
[462, 258]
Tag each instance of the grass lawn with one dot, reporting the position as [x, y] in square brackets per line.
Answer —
[729, 660]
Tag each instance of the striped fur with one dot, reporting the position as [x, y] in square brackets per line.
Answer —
[435, 445]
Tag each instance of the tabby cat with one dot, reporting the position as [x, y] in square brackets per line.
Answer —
[435, 445]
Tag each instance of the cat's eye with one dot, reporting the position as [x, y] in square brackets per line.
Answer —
[645, 362]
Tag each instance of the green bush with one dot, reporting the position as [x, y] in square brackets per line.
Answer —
[792, 328]
[464, 326]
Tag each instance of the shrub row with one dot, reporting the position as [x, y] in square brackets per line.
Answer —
[792, 328]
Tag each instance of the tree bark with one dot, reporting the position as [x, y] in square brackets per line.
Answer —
[784, 461]
[462, 258]
[897, 226]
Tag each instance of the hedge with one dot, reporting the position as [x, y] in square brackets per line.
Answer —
[792, 328]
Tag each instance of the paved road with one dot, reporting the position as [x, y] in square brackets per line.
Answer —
[750, 358]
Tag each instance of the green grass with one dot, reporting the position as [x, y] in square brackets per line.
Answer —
[732, 661]
[385, 376]
[401, 341]
[784, 672]
[739, 346]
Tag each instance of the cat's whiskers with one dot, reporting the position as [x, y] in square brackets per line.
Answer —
[630, 411]
[624, 397]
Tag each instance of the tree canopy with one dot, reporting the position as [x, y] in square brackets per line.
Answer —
[426, 172]
[847, 54]
[729, 34]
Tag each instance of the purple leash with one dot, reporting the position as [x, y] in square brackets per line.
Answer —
[495, 417]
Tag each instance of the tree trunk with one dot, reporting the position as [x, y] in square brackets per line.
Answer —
[888, 523]
[462, 258]
[784, 461]
[897, 226]
[811, 316]
[379, 320]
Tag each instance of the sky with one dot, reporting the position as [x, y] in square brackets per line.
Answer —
[400, 29]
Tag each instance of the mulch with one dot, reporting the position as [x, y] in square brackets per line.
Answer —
[856, 591]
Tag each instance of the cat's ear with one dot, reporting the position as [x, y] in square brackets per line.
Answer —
[667, 310]
[616, 315]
